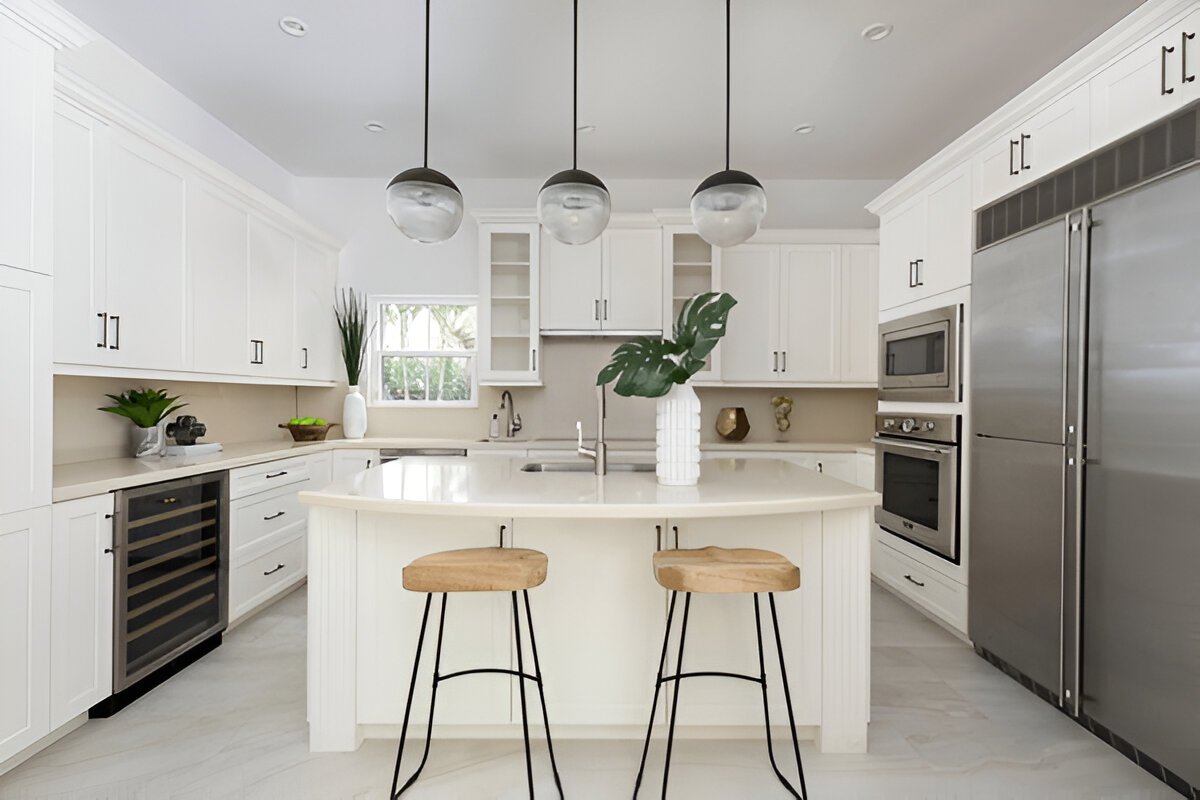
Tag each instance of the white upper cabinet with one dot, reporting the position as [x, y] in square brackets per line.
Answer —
[860, 313]
[749, 351]
[1151, 81]
[272, 259]
[218, 228]
[925, 244]
[26, 402]
[691, 266]
[27, 69]
[24, 629]
[572, 282]
[810, 313]
[315, 342]
[510, 303]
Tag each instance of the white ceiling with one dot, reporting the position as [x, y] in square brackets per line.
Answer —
[651, 79]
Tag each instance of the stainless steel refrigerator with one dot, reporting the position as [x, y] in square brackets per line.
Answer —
[1084, 565]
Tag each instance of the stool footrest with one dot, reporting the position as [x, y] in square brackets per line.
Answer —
[486, 671]
[682, 675]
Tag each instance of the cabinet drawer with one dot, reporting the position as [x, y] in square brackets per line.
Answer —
[942, 598]
[246, 481]
[257, 518]
[258, 580]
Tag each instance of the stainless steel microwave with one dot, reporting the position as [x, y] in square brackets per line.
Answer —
[919, 357]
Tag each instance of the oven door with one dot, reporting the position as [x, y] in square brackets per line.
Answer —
[919, 484]
[918, 357]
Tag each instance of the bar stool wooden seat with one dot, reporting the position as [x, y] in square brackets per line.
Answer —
[716, 570]
[481, 569]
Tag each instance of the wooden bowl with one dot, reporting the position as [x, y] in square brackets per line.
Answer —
[308, 433]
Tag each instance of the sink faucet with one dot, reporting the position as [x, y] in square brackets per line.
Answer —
[600, 452]
[513, 426]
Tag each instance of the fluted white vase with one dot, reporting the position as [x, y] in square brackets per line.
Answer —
[678, 437]
[354, 414]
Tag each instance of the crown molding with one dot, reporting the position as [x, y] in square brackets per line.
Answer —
[815, 236]
[49, 22]
[1140, 25]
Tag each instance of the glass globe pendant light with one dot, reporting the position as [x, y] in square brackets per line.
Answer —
[423, 203]
[574, 205]
[728, 206]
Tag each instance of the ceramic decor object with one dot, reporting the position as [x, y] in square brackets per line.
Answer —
[733, 424]
[678, 437]
[354, 414]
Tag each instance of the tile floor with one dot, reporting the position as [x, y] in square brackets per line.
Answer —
[945, 725]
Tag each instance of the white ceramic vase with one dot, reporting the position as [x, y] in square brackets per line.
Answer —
[678, 437]
[354, 414]
[144, 442]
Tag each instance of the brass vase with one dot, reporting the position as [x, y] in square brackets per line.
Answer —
[733, 424]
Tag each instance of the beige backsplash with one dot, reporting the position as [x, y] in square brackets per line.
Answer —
[238, 413]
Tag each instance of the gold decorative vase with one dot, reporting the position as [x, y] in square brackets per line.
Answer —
[733, 424]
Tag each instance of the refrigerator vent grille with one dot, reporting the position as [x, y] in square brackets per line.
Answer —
[1164, 146]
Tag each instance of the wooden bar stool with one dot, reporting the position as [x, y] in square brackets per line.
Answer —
[715, 570]
[482, 569]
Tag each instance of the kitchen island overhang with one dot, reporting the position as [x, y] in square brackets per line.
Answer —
[600, 615]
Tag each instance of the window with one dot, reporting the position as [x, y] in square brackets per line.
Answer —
[424, 351]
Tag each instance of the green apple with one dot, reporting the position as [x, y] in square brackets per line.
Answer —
[320, 421]
[294, 421]
[309, 421]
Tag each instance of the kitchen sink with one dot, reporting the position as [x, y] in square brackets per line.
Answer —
[584, 466]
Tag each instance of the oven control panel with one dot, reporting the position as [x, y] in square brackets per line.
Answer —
[932, 427]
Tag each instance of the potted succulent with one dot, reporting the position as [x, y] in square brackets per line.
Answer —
[148, 410]
[351, 312]
[661, 368]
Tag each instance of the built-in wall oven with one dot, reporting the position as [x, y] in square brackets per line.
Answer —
[916, 471]
[919, 357]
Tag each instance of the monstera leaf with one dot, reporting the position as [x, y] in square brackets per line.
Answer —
[643, 367]
[700, 326]
[646, 367]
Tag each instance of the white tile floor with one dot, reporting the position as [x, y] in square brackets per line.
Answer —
[945, 725]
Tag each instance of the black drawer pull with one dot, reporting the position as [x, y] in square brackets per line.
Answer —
[276, 515]
[273, 571]
[276, 474]
[911, 579]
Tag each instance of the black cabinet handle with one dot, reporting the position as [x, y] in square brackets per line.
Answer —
[596, 310]
[1183, 56]
[277, 474]
[784, 361]
[918, 280]
[1012, 150]
[1166, 50]
[276, 515]
[503, 528]
[272, 571]
[658, 537]
[775, 355]
[1024, 138]
[103, 316]
[116, 320]
[305, 364]
[534, 357]
[911, 579]
[606, 308]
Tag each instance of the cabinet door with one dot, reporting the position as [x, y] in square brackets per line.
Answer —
[272, 257]
[26, 402]
[316, 339]
[811, 312]
[901, 240]
[145, 255]
[571, 285]
[691, 266]
[1056, 135]
[997, 170]
[860, 313]
[24, 629]
[81, 606]
[509, 308]
[633, 267]
[80, 192]
[348, 462]
[750, 349]
[217, 272]
[945, 260]
[27, 65]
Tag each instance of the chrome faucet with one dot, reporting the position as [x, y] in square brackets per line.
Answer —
[600, 451]
[513, 426]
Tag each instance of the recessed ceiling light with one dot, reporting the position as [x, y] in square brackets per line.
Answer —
[374, 126]
[876, 31]
[293, 26]
[586, 129]
[804, 129]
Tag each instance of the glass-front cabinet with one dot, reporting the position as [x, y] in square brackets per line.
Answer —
[509, 324]
[692, 266]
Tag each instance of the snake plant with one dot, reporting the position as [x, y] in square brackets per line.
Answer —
[351, 312]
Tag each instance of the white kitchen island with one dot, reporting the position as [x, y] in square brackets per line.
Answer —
[599, 616]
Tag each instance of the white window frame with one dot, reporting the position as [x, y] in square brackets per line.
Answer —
[373, 367]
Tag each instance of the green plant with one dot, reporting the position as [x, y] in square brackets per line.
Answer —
[351, 312]
[649, 367]
[145, 408]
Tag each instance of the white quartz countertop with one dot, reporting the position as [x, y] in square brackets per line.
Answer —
[88, 478]
[496, 487]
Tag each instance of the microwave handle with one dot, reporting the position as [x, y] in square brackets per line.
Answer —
[928, 448]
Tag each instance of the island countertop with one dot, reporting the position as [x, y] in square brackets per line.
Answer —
[490, 486]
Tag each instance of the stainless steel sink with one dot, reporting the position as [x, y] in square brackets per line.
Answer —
[584, 466]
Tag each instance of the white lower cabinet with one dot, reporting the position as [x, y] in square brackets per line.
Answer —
[348, 462]
[81, 606]
[943, 598]
[24, 629]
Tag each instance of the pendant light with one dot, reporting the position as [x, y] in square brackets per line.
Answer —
[423, 203]
[728, 206]
[574, 205]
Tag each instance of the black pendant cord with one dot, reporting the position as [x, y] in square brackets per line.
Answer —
[727, 51]
[575, 91]
[426, 145]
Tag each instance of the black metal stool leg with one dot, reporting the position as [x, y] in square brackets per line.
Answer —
[687, 604]
[662, 663]
[787, 695]
[762, 668]
[412, 690]
[537, 669]
[521, 684]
